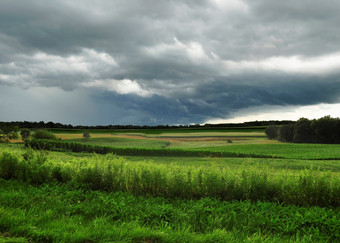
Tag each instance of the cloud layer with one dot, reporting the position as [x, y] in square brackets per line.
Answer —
[165, 62]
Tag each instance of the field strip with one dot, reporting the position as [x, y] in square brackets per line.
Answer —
[79, 135]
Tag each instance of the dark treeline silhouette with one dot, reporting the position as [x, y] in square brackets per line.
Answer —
[52, 125]
[323, 130]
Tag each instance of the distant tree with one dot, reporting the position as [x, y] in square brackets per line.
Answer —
[324, 129]
[8, 132]
[286, 133]
[303, 132]
[44, 134]
[336, 133]
[25, 134]
[86, 134]
[272, 132]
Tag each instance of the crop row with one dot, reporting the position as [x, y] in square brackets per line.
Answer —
[112, 173]
[55, 145]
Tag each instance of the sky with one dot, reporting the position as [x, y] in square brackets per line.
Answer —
[153, 62]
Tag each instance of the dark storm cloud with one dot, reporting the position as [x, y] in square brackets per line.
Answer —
[158, 62]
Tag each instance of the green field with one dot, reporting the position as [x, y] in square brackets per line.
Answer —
[51, 196]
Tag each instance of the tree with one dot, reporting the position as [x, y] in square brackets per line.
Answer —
[25, 134]
[86, 134]
[286, 133]
[272, 132]
[8, 132]
[324, 128]
[303, 132]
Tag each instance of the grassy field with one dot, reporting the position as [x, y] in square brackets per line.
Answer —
[80, 197]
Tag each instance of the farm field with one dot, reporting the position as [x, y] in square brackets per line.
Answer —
[84, 197]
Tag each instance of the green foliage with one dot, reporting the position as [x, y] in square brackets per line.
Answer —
[86, 134]
[123, 142]
[29, 167]
[272, 132]
[8, 132]
[62, 213]
[284, 150]
[303, 132]
[80, 147]
[308, 187]
[324, 130]
[25, 134]
[44, 134]
[286, 133]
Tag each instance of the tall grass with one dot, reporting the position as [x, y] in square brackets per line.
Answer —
[112, 173]
[52, 213]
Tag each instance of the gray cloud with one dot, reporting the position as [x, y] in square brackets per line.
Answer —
[159, 62]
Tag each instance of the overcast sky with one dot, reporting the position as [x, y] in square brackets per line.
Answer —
[151, 62]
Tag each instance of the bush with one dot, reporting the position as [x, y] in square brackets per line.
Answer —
[86, 134]
[8, 132]
[25, 134]
[43, 134]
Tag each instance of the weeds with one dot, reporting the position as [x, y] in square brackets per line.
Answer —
[112, 173]
[65, 214]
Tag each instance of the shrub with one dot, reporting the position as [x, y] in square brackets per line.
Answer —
[25, 134]
[43, 134]
[86, 134]
[9, 164]
[8, 132]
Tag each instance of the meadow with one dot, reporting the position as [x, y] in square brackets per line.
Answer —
[255, 190]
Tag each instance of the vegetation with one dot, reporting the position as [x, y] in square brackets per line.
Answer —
[86, 134]
[79, 147]
[272, 132]
[111, 173]
[324, 130]
[8, 132]
[63, 213]
[119, 142]
[173, 185]
[25, 134]
[43, 134]
[52, 125]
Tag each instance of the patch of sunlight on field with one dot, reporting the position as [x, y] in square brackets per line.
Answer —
[78, 135]
[218, 143]
[208, 134]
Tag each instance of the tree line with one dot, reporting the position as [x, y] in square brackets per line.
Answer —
[322, 130]
[53, 125]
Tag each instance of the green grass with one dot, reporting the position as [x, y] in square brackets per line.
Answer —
[67, 214]
[111, 173]
[277, 164]
[122, 142]
[285, 150]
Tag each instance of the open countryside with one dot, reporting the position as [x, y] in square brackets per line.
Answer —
[169, 185]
